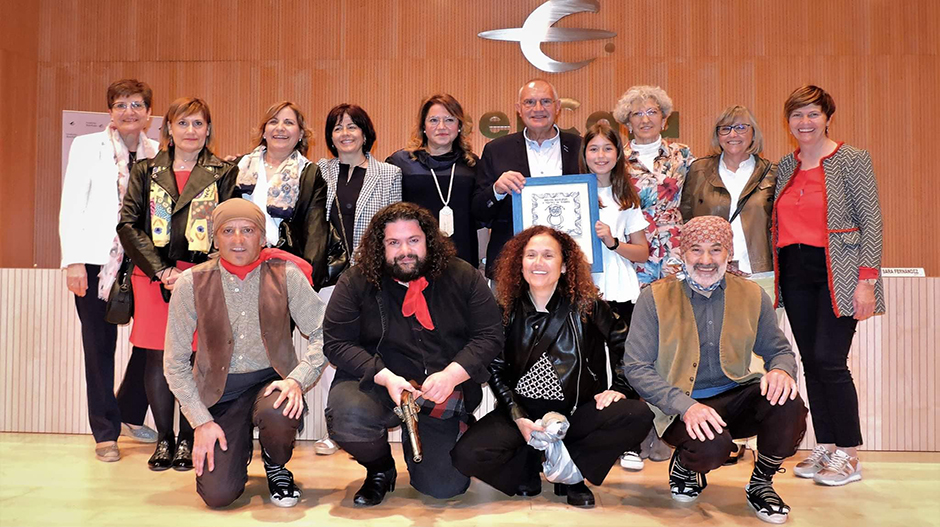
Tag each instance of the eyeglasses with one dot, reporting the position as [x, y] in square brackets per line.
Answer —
[133, 105]
[530, 103]
[435, 121]
[649, 112]
[740, 128]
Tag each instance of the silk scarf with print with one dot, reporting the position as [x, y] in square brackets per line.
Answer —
[283, 185]
[145, 150]
[198, 221]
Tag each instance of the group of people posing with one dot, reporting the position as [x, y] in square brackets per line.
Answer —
[671, 341]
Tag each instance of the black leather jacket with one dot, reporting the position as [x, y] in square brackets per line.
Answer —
[134, 225]
[306, 233]
[577, 354]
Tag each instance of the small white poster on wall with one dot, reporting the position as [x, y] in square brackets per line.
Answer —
[76, 123]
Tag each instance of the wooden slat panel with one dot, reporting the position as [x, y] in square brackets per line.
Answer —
[893, 360]
[880, 60]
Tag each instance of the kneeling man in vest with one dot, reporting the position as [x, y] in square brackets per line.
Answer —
[689, 354]
[246, 372]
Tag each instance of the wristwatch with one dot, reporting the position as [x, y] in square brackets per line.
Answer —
[615, 245]
[869, 281]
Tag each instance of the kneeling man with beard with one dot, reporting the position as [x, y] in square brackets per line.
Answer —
[689, 355]
[409, 316]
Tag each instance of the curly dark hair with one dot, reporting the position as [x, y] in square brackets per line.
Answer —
[370, 256]
[576, 283]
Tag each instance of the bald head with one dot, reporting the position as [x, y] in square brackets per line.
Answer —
[538, 107]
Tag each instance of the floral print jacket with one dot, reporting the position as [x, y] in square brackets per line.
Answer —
[660, 191]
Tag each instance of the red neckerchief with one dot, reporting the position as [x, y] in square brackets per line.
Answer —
[241, 271]
[415, 303]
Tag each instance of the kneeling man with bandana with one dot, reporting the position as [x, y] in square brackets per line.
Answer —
[689, 355]
[246, 371]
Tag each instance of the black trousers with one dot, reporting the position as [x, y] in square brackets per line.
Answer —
[99, 338]
[359, 420]
[494, 451]
[824, 341]
[238, 418]
[779, 429]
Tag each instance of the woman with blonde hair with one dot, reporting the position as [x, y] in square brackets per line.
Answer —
[277, 176]
[737, 184]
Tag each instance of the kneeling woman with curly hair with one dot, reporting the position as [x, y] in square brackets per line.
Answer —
[554, 361]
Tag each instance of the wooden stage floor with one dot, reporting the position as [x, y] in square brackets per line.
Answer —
[55, 480]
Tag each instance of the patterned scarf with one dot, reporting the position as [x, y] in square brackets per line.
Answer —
[198, 221]
[283, 185]
[145, 150]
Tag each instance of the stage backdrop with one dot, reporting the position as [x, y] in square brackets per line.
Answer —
[879, 58]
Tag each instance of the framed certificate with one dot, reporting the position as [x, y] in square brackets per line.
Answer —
[566, 203]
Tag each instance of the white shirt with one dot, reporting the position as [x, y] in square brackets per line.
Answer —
[735, 181]
[646, 154]
[618, 282]
[544, 159]
[260, 198]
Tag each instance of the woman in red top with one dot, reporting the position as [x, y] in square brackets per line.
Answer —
[827, 240]
[165, 227]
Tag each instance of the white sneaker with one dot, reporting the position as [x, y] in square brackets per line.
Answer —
[139, 433]
[325, 447]
[840, 470]
[631, 460]
[815, 462]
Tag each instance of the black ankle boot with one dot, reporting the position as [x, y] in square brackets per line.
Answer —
[374, 488]
[162, 457]
[579, 495]
[183, 460]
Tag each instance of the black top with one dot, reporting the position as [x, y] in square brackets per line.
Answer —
[364, 330]
[499, 155]
[417, 187]
[348, 193]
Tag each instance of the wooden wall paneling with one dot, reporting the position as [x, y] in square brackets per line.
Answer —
[878, 58]
[18, 58]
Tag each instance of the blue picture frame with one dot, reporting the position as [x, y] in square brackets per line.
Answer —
[577, 188]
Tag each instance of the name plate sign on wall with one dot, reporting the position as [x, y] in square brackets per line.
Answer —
[903, 272]
[76, 123]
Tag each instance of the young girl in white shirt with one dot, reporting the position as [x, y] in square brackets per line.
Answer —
[620, 229]
[621, 222]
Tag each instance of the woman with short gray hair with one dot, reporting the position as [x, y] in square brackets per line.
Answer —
[657, 169]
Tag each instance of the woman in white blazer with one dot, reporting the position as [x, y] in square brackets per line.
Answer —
[95, 182]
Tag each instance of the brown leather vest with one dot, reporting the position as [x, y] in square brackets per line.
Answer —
[216, 342]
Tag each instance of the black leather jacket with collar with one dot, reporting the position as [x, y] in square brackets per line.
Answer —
[577, 354]
[134, 225]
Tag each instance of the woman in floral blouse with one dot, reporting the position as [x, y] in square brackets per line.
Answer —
[657, 169]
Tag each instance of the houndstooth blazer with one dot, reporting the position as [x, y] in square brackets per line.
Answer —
[381, 187]
[853, 218]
